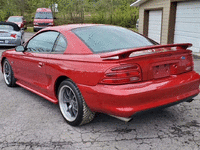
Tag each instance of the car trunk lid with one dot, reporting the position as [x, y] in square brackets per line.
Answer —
[4, 34]
[159, 61]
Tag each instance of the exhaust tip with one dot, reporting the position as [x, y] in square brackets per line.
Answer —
[122, 118]
[190, 100]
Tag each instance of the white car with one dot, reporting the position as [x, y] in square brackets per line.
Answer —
[11, 34]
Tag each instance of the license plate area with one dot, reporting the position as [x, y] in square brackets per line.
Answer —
[161, 71]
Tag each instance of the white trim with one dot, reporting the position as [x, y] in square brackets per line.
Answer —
[138, 3]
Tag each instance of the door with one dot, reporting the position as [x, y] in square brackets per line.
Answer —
[154, 26]
[187, 24]
[30, 66]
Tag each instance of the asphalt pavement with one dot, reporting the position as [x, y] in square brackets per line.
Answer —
[28, 121]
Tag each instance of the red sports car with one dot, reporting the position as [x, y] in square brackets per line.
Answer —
[19, 20]
[101, 68]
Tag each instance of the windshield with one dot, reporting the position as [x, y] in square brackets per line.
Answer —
[43, 15]
[6, 27]
[15, 19]
[110, 38]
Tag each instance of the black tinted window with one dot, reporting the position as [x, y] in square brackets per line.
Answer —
[61, 44]
[110, 38]
[42, 42]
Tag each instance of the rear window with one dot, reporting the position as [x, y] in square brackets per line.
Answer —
[6, 27]
[43, 15]
[110, 38]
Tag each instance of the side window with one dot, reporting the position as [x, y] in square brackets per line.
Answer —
[42, 42]
[61, 44]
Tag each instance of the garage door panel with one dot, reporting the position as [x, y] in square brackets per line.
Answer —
[154, 26]
[183, 39]
[154, 31]
[187, 25]
[188, 15]
[187, 34]
[194, 41]
[189, 5]
[189, 19]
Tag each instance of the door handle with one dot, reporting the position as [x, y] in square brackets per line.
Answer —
[40, 64]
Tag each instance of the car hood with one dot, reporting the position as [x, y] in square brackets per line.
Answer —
[43, 20]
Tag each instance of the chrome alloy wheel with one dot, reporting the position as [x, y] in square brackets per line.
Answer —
[7, 72]
[68, 103]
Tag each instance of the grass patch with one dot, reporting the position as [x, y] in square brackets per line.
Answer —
[29, 29]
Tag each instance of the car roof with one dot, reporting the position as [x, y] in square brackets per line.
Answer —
[43, 10]
[16, 16]
[68, 27]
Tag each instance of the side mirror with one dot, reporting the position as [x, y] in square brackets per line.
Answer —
[19, 48]
[32, 17]
[54, 18]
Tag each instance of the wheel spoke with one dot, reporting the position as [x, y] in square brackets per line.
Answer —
[8, 78]
[74, 111]
[65, 93]
[65, 97]
[75, 105]
[70, 110]
[7, 73]
[7, 70]
[69, 93]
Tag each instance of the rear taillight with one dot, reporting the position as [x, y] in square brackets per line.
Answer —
[187, 63]
[123, 74]
[13, 35]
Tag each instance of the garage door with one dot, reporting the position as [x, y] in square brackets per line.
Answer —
[155, 21]
[187, 25]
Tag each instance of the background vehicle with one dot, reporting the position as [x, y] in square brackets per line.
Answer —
[19, 20]
[43, 18]
[11, 34]
[100, 68]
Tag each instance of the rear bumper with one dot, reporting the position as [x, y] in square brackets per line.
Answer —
[126, 100]
[10, 42]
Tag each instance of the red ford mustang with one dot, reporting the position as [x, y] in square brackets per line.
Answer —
[101, 68]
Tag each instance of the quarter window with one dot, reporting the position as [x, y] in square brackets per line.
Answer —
[61, 44]
[42, 42]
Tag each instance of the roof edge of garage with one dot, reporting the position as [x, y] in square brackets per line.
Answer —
[138, 3]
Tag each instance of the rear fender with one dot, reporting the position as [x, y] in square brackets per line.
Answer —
[2, 60]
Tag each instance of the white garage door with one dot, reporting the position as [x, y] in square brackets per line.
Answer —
[187, 25]
[155, 21]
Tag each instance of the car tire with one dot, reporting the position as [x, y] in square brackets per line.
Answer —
[34, 30]
[72, 105]
[8, 74]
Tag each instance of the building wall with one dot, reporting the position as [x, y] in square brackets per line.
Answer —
[155, 5]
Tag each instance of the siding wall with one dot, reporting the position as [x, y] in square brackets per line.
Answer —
[155, 5]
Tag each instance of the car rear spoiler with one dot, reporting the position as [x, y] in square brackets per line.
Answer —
[14, 25]
[125, 53]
